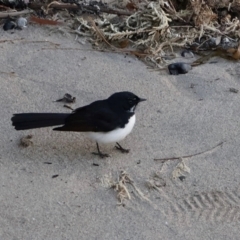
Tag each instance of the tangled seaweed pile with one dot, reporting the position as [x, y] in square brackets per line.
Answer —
[153, 29]
[156, 27]
[147, 30]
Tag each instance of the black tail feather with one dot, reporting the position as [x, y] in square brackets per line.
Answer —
[23, 121]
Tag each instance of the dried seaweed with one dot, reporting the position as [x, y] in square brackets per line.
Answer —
[122, 187]
[151, 30]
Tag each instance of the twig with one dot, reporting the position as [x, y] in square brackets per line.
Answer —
[78, 49]
[67, 106]
[29, 41]
[43, 21]
[11, 40]
[35, 5]
[41, 41]
[80, 33]
[100, 34]
[188, 156]
[7, 8]
[182, 26]
[8, 73]
[14, 13]
[116, 49]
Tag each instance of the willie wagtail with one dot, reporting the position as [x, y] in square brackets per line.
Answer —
[105, 121]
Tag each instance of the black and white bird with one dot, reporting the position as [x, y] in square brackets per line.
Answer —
[105, 121]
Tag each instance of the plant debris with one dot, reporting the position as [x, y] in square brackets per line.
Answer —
[121, 186]
[95, 164]
[67, 98]
[180, 170]
[233, 90]
[67, 106]
[26, 141]
[156, 182]
[190, 155]
[150, 30]
[41, 21]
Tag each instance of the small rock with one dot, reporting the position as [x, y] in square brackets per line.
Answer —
[182, 178]
[21, 22]
[9, 25]
[187, 54]
[179, 68]
[225, 40]
[213, 42]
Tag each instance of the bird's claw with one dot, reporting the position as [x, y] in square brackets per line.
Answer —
[120, 148]
[101, 155]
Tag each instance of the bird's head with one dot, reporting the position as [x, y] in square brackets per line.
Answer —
[127, 101]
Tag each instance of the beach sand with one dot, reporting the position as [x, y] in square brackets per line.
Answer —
[56, 189]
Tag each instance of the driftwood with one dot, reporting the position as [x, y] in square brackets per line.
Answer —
[6, 14]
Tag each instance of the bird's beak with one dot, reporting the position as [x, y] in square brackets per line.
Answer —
[142, 100]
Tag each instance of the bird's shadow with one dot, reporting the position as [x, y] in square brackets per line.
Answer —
[61, 146]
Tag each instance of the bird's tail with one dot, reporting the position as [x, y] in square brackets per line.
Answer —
[23, 121]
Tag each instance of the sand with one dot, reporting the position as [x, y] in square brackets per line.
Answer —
[56, 189]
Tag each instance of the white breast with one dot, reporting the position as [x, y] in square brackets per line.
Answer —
[115, 135]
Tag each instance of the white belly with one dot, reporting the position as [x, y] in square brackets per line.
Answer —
[115, 135]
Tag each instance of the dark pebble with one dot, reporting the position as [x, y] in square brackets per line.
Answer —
[187, 54]
[9, 25]
[179, 68]
[182, 178]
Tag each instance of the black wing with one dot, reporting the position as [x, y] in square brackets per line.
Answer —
[96, 117]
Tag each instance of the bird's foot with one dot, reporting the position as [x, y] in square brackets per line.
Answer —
[120, 148]
[101, 155]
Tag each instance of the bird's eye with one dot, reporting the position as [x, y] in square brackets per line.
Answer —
[131, 100]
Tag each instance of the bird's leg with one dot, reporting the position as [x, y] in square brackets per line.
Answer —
[99, 153]
[67, 106]
[120, 148]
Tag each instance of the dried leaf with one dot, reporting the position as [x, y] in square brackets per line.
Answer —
[138, 54]
[43, 21]
[231, 50]
[131, 6]
[234, 52]
[236, 55]
[124, 43]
